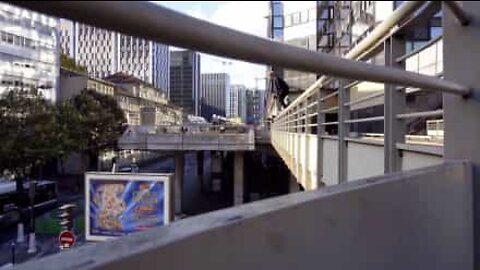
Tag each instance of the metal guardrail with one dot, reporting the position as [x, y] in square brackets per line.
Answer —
[191, 129]
[161, 24]
[288, 120]
[384, 29]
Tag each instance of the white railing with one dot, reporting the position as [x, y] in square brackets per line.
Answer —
[306, 116]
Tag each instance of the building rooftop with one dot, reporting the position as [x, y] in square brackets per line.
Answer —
[124, 78]
[74, 73]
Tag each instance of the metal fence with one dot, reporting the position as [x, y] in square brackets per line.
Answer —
[307, 114]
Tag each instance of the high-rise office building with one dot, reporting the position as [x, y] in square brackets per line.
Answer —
[236, 100]
[310, 25]
[213, 95]
[254, 106]
[29, 57]
[185, 80]
[105, 52]
[275, 27]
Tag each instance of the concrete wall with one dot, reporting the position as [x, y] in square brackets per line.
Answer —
[71, 86]
[147, 138]
[413, 160]
[365, 158]
[396, 221]
[330, 162]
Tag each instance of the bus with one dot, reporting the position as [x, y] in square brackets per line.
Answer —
[11, 203]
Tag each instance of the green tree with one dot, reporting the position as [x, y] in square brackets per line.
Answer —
[69, 127]
[69, 63]
[28, 132]
[102, 122]
[34, 130]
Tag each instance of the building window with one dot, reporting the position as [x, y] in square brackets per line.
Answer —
[304, 16]
[277, 8]
[296, 18]
[277, 22]
[9, 38]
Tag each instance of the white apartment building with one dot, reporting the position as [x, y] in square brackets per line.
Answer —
[29, 57]
[105, 52]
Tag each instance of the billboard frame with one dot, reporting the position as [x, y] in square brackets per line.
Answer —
[166, 178]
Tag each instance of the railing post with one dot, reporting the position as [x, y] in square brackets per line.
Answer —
[305, 146]
[462, 126]
[343, 131]
[320, 132]
[304, 109]
[298, 133]
[394, 129]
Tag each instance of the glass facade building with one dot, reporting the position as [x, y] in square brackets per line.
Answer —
[213, 94]
[185, 80]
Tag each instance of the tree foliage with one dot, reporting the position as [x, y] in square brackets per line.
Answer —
[102, 119]
[34, 130]
[28, 131]
[70, 63]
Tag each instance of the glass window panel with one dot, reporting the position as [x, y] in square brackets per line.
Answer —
[296, 18]
[324, 14]
[277, 8]
[278, 22]
[278, 34]
[304, 16]
[436, 31]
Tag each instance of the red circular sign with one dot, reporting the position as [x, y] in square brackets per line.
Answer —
[66, 239]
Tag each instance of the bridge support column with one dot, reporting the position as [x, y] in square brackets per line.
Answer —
[200, 164]
[238, 179]
[217, 164]
[179, 173]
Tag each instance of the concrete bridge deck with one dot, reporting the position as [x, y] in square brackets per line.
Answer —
[188, 138]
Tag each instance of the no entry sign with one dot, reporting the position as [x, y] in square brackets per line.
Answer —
[66, 239]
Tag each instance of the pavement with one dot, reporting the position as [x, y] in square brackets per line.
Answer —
[46, 245]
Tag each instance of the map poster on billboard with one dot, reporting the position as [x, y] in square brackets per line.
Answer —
[117, 204]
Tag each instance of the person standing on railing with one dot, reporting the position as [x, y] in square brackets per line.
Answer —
[279, 88]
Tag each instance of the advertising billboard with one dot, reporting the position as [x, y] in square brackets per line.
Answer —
[118, 204]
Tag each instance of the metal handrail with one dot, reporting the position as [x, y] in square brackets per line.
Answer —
[402, 12]
[313, 103]
[458, 11]
[363, 99]
[335, 93]
[420, 114]
[329, 123]
[332, 109]
[367, 119]
[162, 25]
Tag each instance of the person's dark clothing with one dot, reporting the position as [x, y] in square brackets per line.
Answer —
[281, 89]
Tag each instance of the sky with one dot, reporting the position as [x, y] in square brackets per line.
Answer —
[248, 17]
